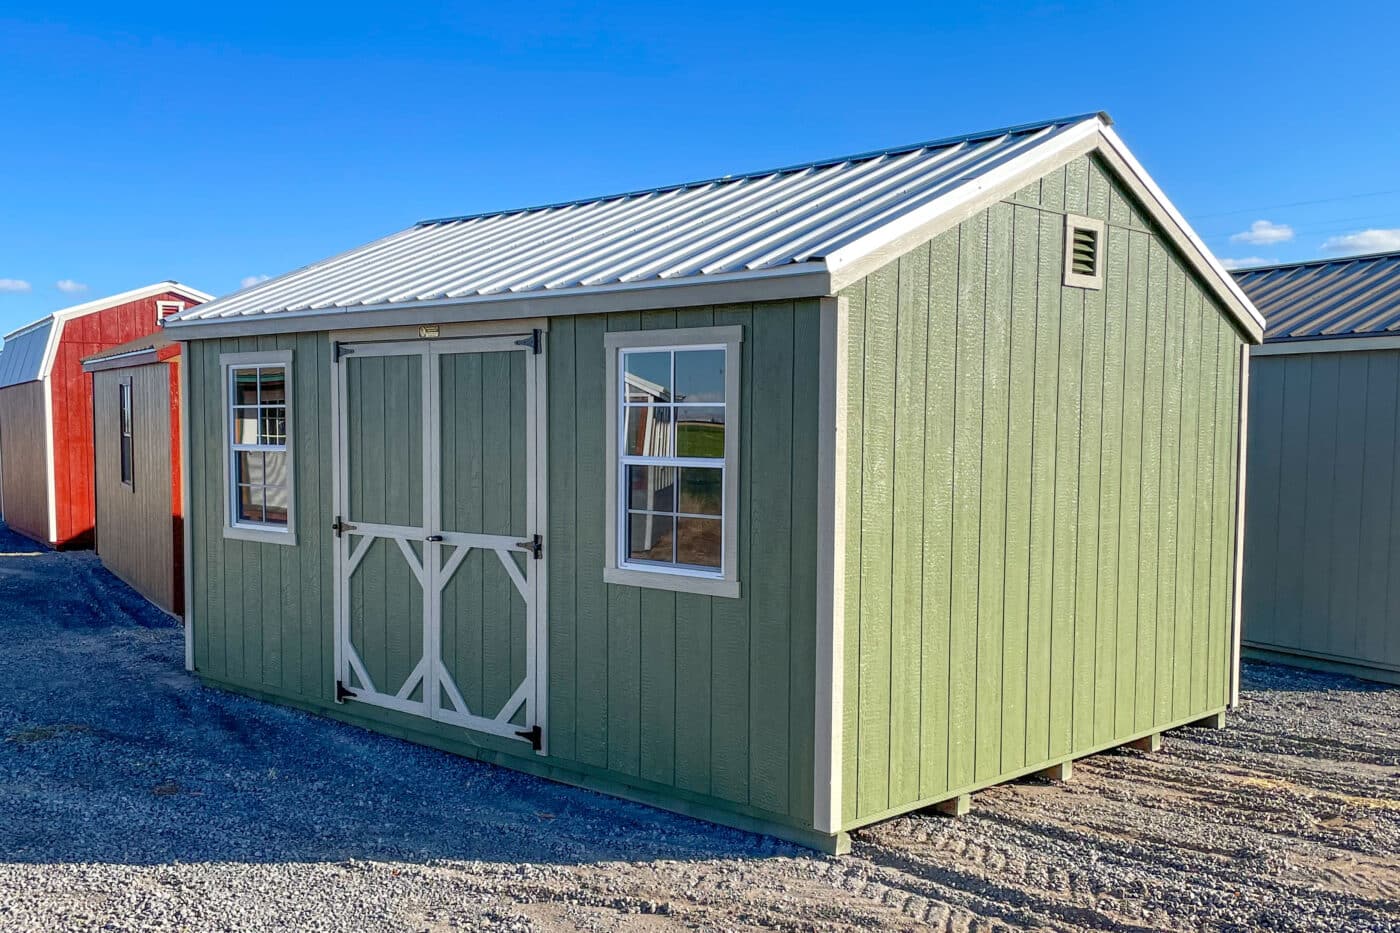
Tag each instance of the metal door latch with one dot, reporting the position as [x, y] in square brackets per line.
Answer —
[535, 546]
[433, 538]
[534, 736]
[340, 527]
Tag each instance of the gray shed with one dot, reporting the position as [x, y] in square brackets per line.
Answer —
[1322, 505]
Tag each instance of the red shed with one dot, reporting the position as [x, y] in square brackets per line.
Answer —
[46, 433]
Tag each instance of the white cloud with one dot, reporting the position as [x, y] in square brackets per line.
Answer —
[68, 286]
[1364, 241]
[15, 286]
[248, 281]
[1264, 232]
[1245, 262]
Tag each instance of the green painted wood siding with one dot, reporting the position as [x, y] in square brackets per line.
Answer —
[688, 698]
[1040, 500]
[1321, 507]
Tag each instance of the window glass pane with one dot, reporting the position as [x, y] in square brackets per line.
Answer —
[247, 467]
[647, 376]
[126, 458]
[274, 469]
[649, 537]
[245, 425]
[272, 386]
[652, 489]
[700, 432]
[275, 498]
[272, 425]
[698, 541]
[702, 491]
[699, 375]
[245, 387]
[248, 504]
[649, 432]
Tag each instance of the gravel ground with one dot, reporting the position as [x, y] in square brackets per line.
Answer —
[133, 799]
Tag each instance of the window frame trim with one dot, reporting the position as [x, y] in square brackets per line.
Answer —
[726, 583]
[256, 531]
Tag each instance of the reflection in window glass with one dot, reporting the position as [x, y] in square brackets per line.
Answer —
[700, 376]
[672, 458]
[258, 445]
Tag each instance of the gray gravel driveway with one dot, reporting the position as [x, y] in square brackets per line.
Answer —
[131, 798]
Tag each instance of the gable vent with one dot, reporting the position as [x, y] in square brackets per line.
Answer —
[1083, 252]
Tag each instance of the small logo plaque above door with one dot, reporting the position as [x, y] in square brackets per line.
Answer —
[427, 331]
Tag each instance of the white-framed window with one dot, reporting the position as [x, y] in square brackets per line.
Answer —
[673, 459]
[259, 488]
[125, 443]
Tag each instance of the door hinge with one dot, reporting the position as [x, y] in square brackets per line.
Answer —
[532, 341]
[340, 527]
[343, 693]
[342, 350]
[534, 736]
[535, 546]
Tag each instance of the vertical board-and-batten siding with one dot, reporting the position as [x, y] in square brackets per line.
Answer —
[24, 462]
[1322, 508]
[689, 698]
[1040, 490]
[135, 530]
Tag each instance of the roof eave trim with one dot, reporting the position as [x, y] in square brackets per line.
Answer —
[863, 256]
[131, 358]
[799, 280]
[1166, 214]
[1341, 343]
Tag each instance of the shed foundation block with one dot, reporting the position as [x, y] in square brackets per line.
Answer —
[1213, 721]
[960, 805]
[1148, 743]
[1064, 771]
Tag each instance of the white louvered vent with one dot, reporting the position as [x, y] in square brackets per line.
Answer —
[1083, 252]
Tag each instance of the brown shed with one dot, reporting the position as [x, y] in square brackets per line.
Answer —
[136, 466]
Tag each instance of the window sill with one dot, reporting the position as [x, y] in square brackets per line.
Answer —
[260, 535]
[676, 583]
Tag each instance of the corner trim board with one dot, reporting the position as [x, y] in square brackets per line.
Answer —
[831, 519]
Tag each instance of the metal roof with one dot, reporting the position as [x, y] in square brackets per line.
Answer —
[747, 226]
[22, 359]
[1350, 297]
[28, 351]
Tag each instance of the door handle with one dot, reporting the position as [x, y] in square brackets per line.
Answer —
[434, 538]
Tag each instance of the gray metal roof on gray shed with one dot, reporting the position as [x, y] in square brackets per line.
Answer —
[22, 358]
[1324, 298]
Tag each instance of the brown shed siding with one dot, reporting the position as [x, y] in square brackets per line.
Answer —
[135, 531]
[24, 467]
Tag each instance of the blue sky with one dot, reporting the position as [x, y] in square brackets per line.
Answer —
[217, 142]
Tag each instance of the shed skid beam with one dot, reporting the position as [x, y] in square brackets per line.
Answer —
[1064, 771]
[1213, 721]
[961, 805]
[1148, 743]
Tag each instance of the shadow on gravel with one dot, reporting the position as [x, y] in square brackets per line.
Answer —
[1271, 677]
[111, 753]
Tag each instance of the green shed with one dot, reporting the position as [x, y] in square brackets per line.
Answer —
[1322, 506]
[791, 500]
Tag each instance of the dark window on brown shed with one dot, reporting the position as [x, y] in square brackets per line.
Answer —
[127, 453]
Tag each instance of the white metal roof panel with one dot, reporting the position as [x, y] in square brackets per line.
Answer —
[22, 358]
[748, 225]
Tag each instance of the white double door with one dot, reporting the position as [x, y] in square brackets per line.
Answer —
[439, 571]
